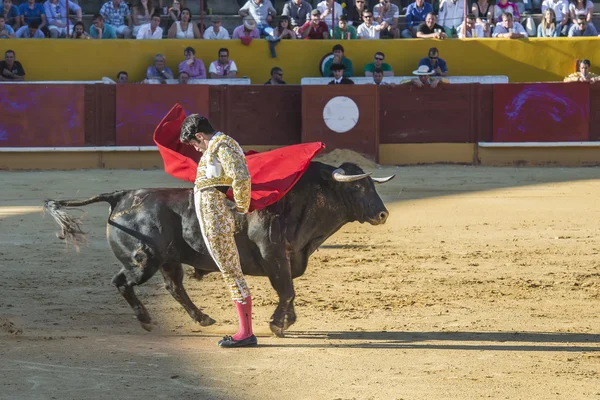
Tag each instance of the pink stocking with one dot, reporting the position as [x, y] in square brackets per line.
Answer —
[245, 317]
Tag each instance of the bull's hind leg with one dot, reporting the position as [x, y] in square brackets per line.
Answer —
[126, 290]
[173, 276]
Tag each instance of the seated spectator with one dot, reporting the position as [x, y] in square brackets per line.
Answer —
[261, 11]
[159, 70]
[11, 15]
[79, 31]
[370, 29]
[184, 28]
[582, 28]
[151, 30]
[424, 78]
[223, 68]
[451, 16]
[388, 13]
[30, 31]
[216, 31]
[276, 77]
[505, 6]
[484, 12]
[122, 77]
[561, 11]
[430, 30]
[354, 13]
[581, 7]
[508, 29]
[141, 14]
[114, 13]
[315, 28]
[436, 65]
[298, 11]
[378, 78]
[247, 29]
[31, 11]
[184, 78]
[6, 31]
[338, 75]
[10, 68]
[344, 31]
[175, 11]
[101, 30]
[331, 11]
[339, 58]
[584, 74]
[379, 64]
[193, 66]
[472, 30]
[548, 28]
[56, 15]
[415, 16]
[283, 30]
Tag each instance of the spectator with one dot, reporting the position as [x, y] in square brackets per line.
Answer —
[415, 15]
[114, 13]
[436, 65]
[508, 29]
[378, 78]
[298, 11]
[151, 30]
[430, 30]
[578, 7]
[378, 63]
[388, 13]
[505, 6]
[193, 66]
[355, 13]
[122, 77]
[11, 15]
[484, 14]
[184, 28]
[283, 30]
[216, 31]
[547, 28]
[10, 68]
[473, 30]
[79, 31]
[370, 29]
[223, 68]
[142, 13]
[30, 31]
[247, 29]
[561, 12]
[32, 11]
[261, 11]
[56, 15]
[184, 78]
[315, 28]
[159, 70]
[175, 11]
[6, 31]
[338, 75]
[101, 30]
[584, 74]
[451, 16]
[330, 12]
[276, 77]
[424, 78]
[344, 31]
[339, 58]
[582, 28]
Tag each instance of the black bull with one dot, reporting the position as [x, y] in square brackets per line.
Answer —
[157, 229]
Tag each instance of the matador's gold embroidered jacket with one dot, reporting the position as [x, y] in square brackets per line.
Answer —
[578, 77]
[224, 164]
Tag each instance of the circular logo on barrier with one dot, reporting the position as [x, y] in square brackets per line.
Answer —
[340, 114]
[326, 57]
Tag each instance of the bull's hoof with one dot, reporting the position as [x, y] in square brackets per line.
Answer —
[147, 326]
[277, 330]
[205, 320]
[287, 322]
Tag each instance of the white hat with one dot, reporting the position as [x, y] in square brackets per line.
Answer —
[422, 70]
[250, 24]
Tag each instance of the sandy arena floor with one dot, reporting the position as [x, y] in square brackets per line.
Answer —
[484, 283]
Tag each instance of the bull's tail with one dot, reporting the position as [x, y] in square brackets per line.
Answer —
[71, 226]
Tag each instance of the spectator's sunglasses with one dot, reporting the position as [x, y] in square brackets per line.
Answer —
[433, 58]
[367, 16]
[581, 23]
[379, 58]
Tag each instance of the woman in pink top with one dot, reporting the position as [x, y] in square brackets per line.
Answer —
[192, 65]
[505, 6]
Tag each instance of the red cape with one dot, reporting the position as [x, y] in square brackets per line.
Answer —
[273, 172]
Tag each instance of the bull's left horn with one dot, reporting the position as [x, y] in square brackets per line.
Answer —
[340, 176]
[383, 180]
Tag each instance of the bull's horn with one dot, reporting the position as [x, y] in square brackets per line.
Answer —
[383, 180]
[340, 176]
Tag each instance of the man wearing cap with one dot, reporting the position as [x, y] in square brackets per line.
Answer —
[246, 30]
[315, 28]
[338, 75]
[216, 31]
[344, 31]
[424, 78]
[261, 11]
[193, 66]
[435, 64]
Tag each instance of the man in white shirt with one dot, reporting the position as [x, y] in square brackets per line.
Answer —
[388, 12]
[327, 9]
[561, 10]
[216, 31]
[369, 29]
[509, 29]
[151, 30]
[451, 16]
[473, 29]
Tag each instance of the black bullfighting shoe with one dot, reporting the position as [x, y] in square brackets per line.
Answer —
[228, 341]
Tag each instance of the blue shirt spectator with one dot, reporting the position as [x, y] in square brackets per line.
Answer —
[12, 15]
[433, 63]
[5, 30]
[108, 32]
[32, 11]
[582, 28]
[415, 15]
[29, 32]
[56, 13]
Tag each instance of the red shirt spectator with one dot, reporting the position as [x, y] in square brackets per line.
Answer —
[315, 28]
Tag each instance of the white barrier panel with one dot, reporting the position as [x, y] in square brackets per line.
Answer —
[237, 81]
[365, 80]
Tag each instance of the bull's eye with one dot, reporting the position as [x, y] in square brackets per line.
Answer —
[357, 186]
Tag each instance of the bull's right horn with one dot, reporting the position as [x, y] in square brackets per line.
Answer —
[383, 180]
[340, 176]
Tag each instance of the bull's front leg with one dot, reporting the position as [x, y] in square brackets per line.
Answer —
[280, 275]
